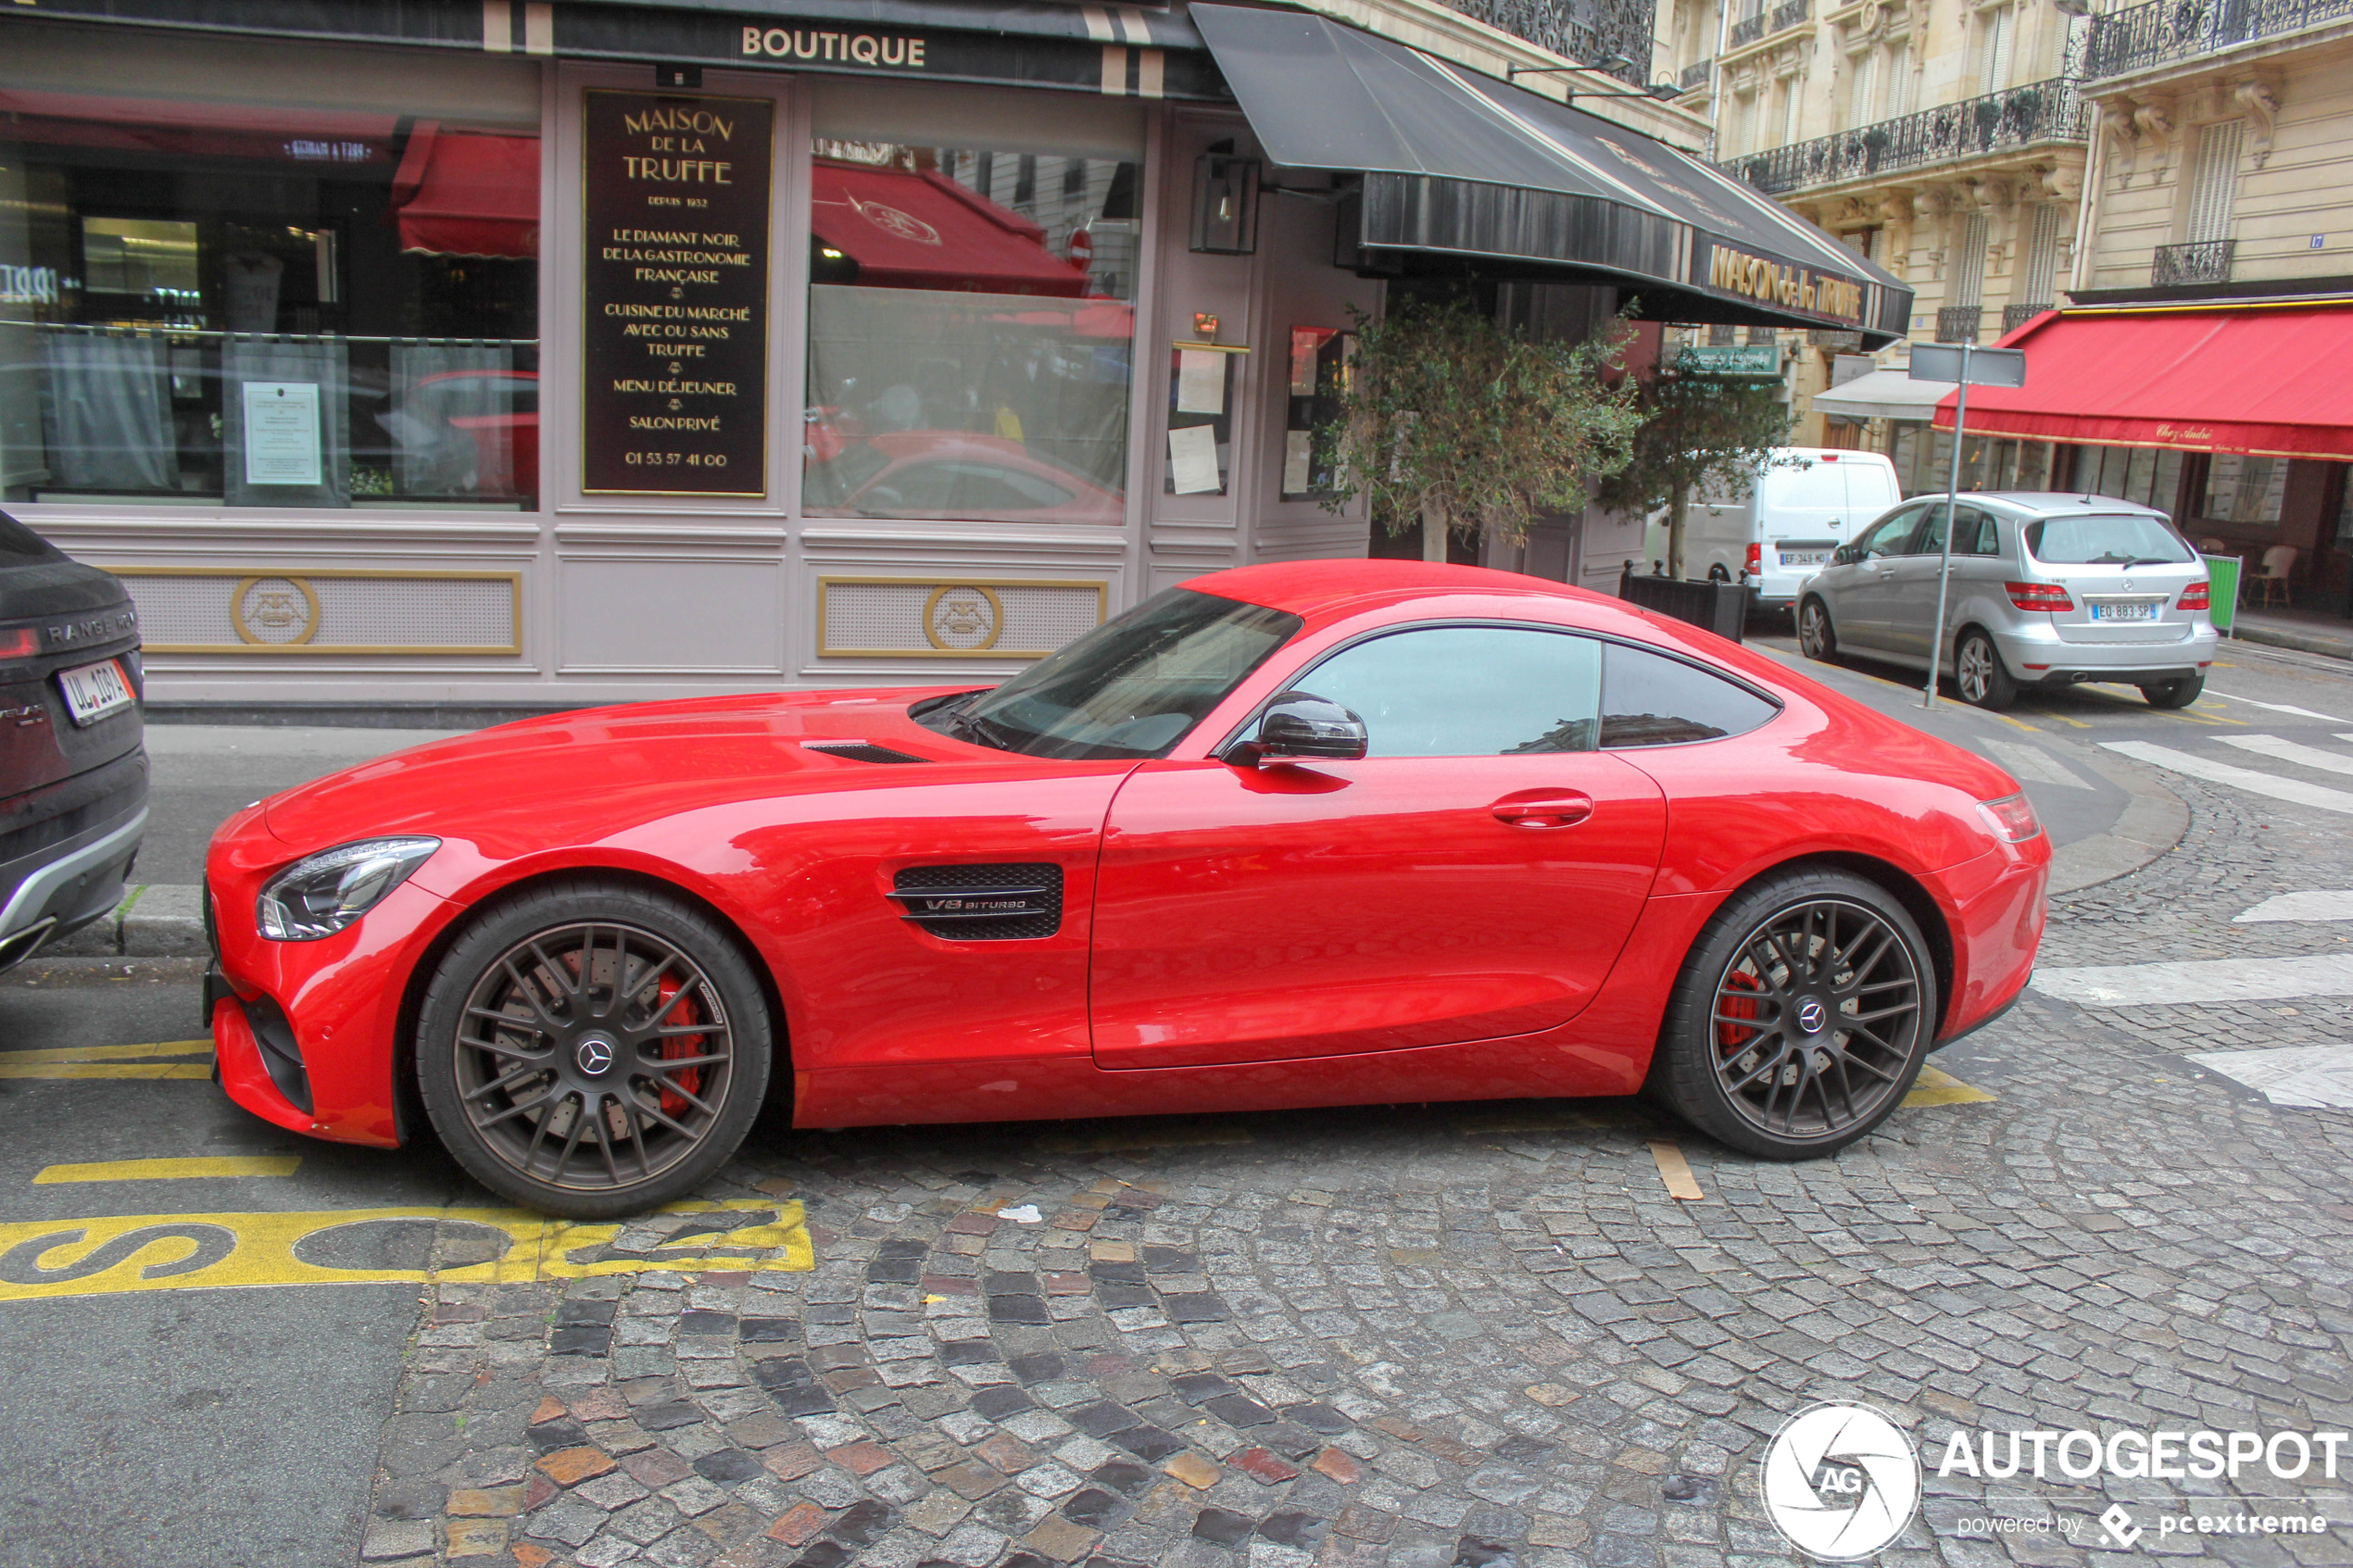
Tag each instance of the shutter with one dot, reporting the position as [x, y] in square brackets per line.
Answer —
[1862, 98]
[1994, 58]
[1965, 274]
[2041, 256]
[2214, 184]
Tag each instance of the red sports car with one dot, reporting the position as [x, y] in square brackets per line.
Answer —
[1330, 832]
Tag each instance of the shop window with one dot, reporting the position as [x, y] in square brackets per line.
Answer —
[2150, 475]
[2244, 490]
[261, 276]
[971, 309]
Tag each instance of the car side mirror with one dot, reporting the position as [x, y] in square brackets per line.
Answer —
[1302, 726]
[1843, 555]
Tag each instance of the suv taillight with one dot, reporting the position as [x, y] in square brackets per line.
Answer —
[2038, 595]
[22, 643]
[2195, 596]
[1756, 559]
[2012, 817]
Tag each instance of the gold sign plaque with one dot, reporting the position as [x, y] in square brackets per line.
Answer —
[276, 611]
[935, 617]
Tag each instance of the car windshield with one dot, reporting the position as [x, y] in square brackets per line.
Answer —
[2107, 539]
[1129, 688]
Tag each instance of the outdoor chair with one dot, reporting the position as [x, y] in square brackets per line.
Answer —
[2279, 563]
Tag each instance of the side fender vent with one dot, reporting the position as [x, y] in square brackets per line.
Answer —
[999, 903]
[861, 751]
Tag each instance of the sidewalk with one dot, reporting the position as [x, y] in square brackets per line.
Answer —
[2306, 630]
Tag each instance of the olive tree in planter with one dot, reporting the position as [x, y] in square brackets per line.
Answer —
[1698, 432]
[1449, 419]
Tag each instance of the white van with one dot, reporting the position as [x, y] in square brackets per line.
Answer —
[1807, 502]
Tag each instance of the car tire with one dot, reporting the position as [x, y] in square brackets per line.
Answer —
[2174, 693]
[1979, 674]
[1777, 952]
[593, 1096]
[1817, 638]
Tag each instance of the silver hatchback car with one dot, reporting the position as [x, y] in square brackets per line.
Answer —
[2048, 590]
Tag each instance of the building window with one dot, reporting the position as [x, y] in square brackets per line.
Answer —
[1965, 269]
[318, 288]
[970, 306]
[2244, 490]
[2041, 278]
[1995, 28]
[2214, 180]
[2148, 475]
[1862, 92]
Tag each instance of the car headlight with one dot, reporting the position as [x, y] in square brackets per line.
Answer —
[320, 894]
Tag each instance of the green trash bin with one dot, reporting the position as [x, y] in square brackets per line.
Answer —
[2223, 572]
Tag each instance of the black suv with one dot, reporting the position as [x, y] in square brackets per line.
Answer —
[73, 772]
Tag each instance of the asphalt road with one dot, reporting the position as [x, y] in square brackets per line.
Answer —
[233, 1428]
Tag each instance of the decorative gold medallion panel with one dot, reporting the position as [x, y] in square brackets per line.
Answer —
[935, 617]
[236, 611]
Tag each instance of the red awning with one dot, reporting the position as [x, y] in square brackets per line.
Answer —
[2200, 378]
[917, 231]
[461, 193]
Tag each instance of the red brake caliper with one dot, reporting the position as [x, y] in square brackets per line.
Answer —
[688, 1079]
[1730, 1038]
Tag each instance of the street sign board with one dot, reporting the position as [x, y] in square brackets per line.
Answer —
[1987, 367]
[1730, 360]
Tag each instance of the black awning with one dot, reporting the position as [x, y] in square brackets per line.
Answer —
[1457, 165]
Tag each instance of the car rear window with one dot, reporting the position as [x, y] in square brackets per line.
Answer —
[19, 544]
[1651, 699]
[2107, 539]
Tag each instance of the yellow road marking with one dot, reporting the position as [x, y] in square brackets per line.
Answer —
[107, 1053]
[108, 1070]
[1676, 1171]
[2065, 719]
[2030, 729]
[1180, 1136]
[1933, 1087]
[135, 1252]
[170, 1170]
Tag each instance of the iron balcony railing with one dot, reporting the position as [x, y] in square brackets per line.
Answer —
[1747, 31]
[1789, 15]
[2017, 316]
[2201, 261]
[2154, 33]
[2018, 117]
[1958, 324]
[1613, 36]
[1695, 75]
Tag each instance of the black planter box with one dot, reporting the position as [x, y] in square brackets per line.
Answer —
[1721, 607]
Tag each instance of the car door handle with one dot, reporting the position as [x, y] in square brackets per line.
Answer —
[1556, 811]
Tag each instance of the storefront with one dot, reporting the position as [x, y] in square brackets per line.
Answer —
[483, 361]
[2232, 417]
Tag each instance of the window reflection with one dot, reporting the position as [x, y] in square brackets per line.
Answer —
[970, 326]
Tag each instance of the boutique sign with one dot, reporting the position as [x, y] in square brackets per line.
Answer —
[897, 52]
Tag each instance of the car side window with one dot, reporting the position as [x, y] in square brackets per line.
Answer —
[1980, 535]
[1887, 537]
[1651, 699]
[1466, 690]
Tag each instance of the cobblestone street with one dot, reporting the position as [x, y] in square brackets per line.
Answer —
[1438, 1335]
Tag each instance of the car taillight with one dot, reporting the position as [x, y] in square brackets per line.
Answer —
[22, 643]
[2012, 817]
[1756, 559]
[2038, 595]
[2195, 596]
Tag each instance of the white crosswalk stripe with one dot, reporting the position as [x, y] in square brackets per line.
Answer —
[2254, 780]
[2199, 980]
[2290, 751]
[2317, 903]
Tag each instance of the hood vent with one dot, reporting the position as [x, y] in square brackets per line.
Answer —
[861, 751]
[1001, 903]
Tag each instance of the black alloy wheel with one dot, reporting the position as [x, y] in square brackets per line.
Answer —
[1801, 1017]
[1816, 638]
[593, 1050]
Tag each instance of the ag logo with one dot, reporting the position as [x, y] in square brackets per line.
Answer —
[902, 225]
[963, 619]
[275, 611]
[1840, 1482]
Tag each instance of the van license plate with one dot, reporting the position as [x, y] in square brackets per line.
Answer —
[2122, 611]
[96, 690]
[1804, 557]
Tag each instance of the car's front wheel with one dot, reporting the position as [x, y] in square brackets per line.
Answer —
[1800, 1018]
[2178, 693]
[1816, 638]
[1979, 674]
[593, 1050]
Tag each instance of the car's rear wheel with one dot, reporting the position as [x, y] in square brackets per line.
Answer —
[2174, 693]
[1979, 674]
[1816, 638]
[1801, 1017]
[593, 1050]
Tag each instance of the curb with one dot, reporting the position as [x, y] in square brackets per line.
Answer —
[2150, 825]
[154, 920]
[2302, 642]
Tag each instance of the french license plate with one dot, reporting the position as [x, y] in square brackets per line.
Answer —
[2122, 611]
[96, 690]
[1804, 557]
